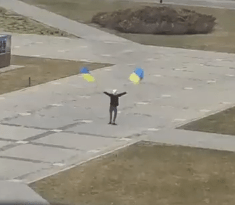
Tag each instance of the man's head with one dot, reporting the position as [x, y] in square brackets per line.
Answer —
[114, 92]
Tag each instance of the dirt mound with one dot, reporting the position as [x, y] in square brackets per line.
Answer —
[156, 20]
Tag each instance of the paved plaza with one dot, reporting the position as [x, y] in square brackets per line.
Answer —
[50, 127]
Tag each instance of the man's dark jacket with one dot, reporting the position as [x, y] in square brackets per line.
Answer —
[114, 98]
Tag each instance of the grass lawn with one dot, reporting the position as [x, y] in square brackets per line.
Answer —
[222, 39]
[221, 123]
[40, 70]
[146, 173]
[15, 23]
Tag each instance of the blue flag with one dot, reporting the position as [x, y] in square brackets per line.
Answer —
[139, 72]
[84, 70]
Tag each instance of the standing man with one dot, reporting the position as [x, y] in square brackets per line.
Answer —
[114, 102]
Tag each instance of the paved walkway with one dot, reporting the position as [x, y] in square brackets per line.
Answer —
[221, 4]
[47, 128]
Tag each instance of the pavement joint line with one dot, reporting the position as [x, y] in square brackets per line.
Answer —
[85, 161]
[64, 128]
[39, 136]
[10, 146]
[23, 159]
[53, 146]
[25, 126]
[7, 140]
[89, 134]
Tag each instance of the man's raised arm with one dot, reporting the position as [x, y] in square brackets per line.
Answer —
[121, 94]
[107, 94]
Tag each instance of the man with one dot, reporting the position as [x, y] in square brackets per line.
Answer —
[114, 102]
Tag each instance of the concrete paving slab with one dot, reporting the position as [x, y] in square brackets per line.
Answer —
[194, 139]
[82, 142]
[4, 143]
[12, 168]
[141, 121]
[40, 153]
[19, 193]
[18, 133]
[75, 112]
[46, 122]
[105, 130]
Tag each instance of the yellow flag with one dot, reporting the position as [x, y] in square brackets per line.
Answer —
[88, 77]
[134, 78]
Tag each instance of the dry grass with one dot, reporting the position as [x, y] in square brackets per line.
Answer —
[147, 173]
[221, 123]
[15, 23]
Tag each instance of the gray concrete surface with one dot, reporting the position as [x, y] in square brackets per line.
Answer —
[194, 139]
[208, 3]
[50, 127]
[19, 193]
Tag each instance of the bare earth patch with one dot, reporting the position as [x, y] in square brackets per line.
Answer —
[222, 39]
[146, 173]
[15, 23]
[221, 123]
[40, 70]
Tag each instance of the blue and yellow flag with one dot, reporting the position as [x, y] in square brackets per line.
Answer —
[86, 75]
[137, 75]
